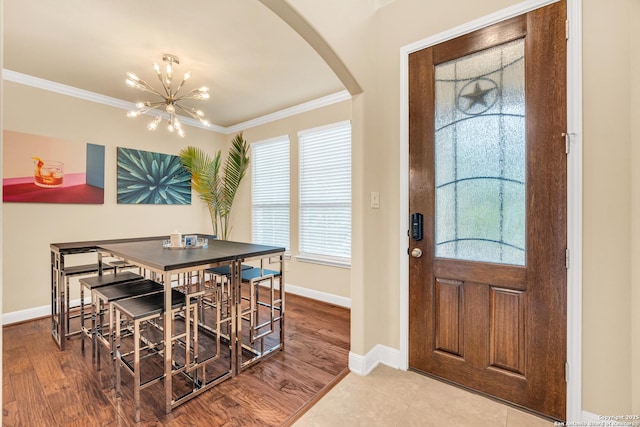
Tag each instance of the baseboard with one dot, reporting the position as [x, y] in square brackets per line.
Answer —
[45, 310]
[363, 365]
[318, 295]
[23, 315]
[35, 312]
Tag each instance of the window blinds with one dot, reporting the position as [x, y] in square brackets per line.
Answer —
[325, 192]
[270, 192]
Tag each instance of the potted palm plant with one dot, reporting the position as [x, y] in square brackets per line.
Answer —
[215, 190]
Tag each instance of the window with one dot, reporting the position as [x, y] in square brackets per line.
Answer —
[325, 194]
[270, 192]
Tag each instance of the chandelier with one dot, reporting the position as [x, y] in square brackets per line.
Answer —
[171, 101]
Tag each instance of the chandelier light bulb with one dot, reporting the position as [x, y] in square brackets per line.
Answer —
[154, 124]
[170, 97]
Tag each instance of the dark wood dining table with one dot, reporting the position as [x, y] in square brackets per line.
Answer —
[164, 263]
[168, 263]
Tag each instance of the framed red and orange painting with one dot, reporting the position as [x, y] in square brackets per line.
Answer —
[41, 169]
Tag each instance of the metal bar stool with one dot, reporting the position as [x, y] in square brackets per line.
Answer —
[219, 277]
[260, 325]
[91, 283]
[103, 297]
[144, 310]
[77, 271]
[255, 277]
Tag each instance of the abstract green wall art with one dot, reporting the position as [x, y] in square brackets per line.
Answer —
[145, 177]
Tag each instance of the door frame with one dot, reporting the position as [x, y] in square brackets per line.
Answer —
[574, 184]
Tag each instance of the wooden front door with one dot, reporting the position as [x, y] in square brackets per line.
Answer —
[487, 274]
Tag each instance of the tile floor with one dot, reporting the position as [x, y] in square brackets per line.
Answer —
[390, 397]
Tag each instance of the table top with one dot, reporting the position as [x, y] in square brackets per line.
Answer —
[71, 247]
[152, 254]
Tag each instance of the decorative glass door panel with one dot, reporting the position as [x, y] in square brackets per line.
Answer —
[480, 156]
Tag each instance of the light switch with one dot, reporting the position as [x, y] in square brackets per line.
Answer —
[375, 200]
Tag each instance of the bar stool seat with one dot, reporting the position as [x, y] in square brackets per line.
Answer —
[119, 265]
[109, 279]
[225, 270]
[138, 310]
[257, 273]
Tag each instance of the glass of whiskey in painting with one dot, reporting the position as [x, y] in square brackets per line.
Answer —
[48, 173]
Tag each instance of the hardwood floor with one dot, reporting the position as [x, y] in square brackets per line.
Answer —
[43, 386]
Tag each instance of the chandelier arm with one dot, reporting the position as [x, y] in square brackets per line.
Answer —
[179, 87]
[152, 106]
[197, 95]
[144, 86]
[194, 116]
[164, 86]
[182, 98]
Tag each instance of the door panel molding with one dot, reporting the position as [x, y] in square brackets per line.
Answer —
[449, 317]
[574, 185]
[507, 327]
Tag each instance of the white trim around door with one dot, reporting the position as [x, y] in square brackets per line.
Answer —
[574, 185]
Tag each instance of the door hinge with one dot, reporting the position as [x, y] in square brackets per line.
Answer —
[566, 258]
[567, 142]
[566, 372]
[566, 29]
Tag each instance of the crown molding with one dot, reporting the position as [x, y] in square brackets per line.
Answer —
[27, 80]
[36, 82]
[291, 111]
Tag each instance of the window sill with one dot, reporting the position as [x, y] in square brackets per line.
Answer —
[331, 262]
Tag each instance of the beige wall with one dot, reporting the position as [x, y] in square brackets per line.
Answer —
[321, 278]
[369, 42]
[29, 228]
[607, 223]
[634, 48]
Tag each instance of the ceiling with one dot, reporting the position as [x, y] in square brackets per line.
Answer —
[252, 62]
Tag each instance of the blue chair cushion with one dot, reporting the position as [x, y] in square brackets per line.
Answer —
[225, 270]
[254, 273]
